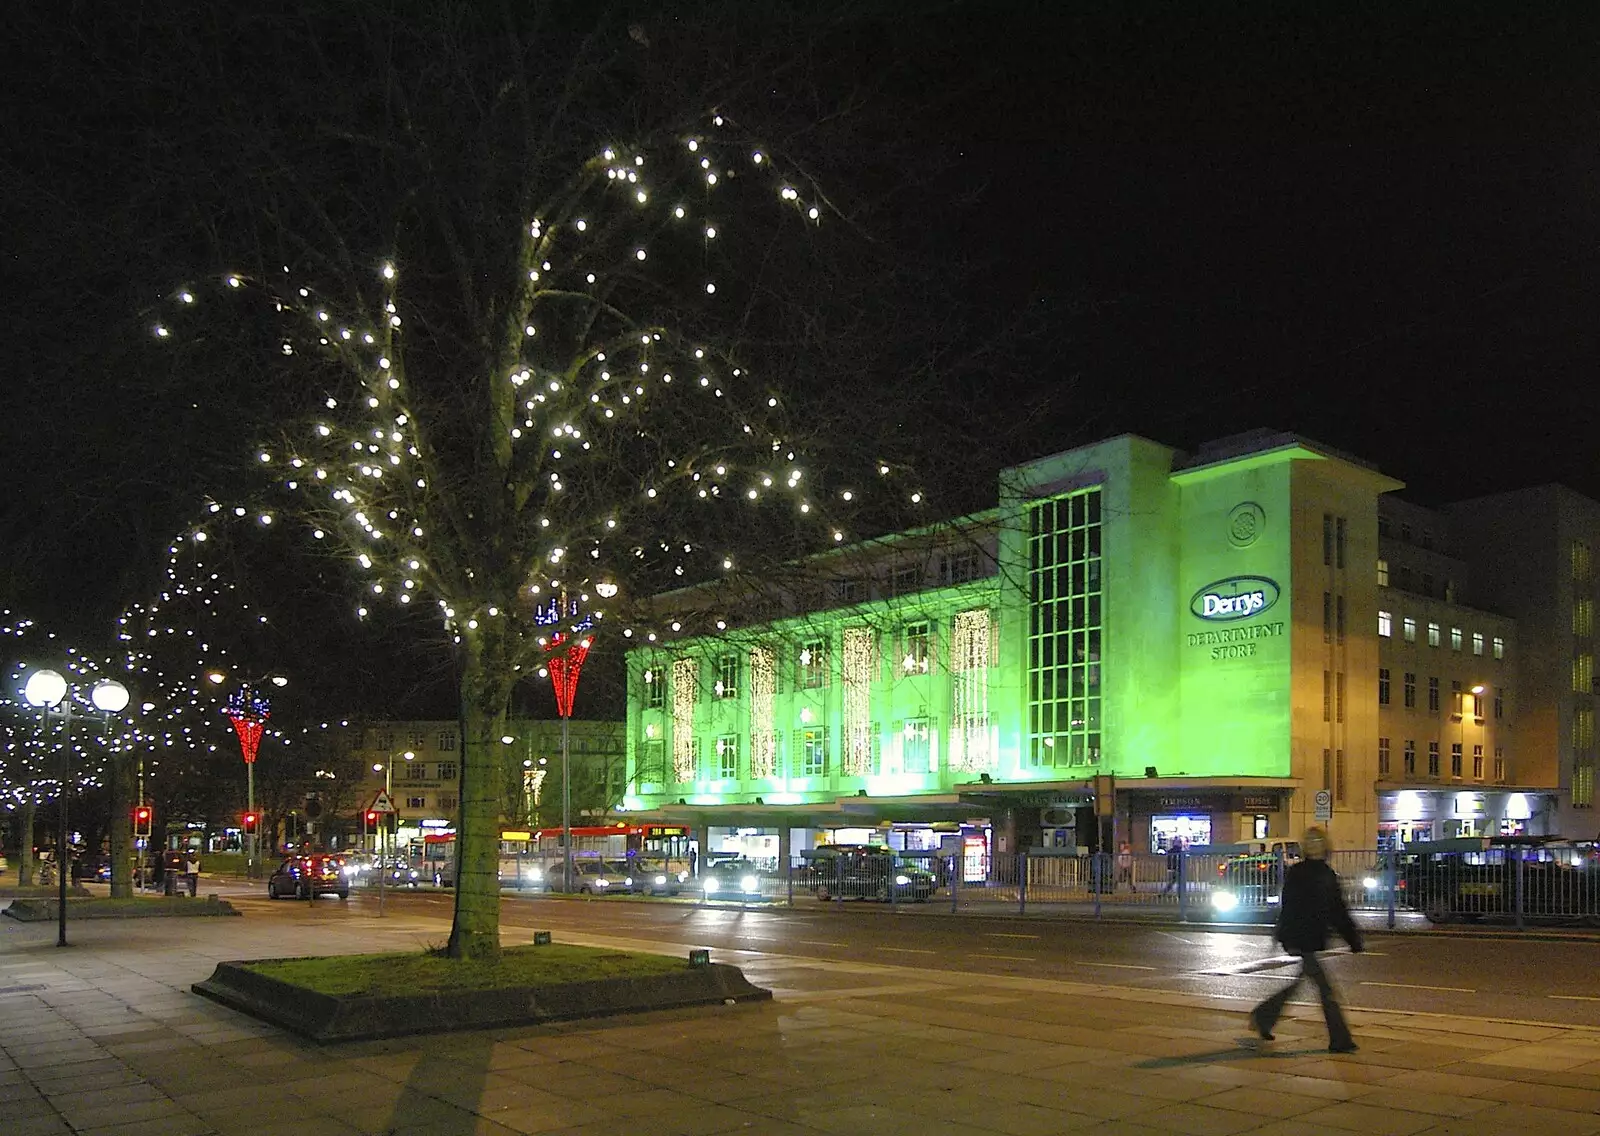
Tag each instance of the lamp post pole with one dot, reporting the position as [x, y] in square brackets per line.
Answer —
[568, 647]
[249, 711]
[48, 690]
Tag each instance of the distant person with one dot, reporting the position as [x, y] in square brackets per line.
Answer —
[1312, 905]
[191, 872]
[1174, 864]
[1125, 867]
[693, 860]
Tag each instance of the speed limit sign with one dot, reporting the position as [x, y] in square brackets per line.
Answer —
[1324, 805]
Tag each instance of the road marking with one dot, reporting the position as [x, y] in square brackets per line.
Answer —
[1575, 998]
[1415, 986]
[1117, 965]
[908, 950]
[1012, 958]
[1008, 935]
[818, 943]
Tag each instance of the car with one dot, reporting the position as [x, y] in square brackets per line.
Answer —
[731, 880]
[308, 876]
[655, 877]
[864, 872]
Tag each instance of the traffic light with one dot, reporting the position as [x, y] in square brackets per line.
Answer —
[249, 822]
[141, 821]
[372, 820]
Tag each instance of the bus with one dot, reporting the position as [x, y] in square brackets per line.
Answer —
[527, 854]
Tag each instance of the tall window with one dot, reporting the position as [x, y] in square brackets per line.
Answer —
[1583, 617]
[811, 671]
[447, 741]
[1433, 634]
[1583, 728]
[812, 744]
[959, 567]
[1433, 695]
[727, 684]
[1385, 624]
[652, 760]
[1383, 686]
[1455, 760]
[1338, 541]
[1383, 573]
[1327, 617]
[1408, 757]
[447, 771]
[1583, 781]
[1383, 757]
[1477, 642]
[728, 757]
[1499, 703]
[1338, 775]
[1327, 697]
[1064, 630]
[1409, 626]
[1327, 769]
[905, 580]
[1477, 763]
[1410, 691]
[655, 689]
[1499, 765]
[1338, 697]
[917, 642]
[916, 746]
[1433, 759]
[1455, 638]
[1581, 564]
[1583, 673]
[1327, 540]
[1499, 647]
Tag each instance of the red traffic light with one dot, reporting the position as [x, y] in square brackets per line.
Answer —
[372, 817]
[141, 821]
[249, 822]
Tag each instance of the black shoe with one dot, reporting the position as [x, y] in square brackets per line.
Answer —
[1347, 1047]
[1255, 1024]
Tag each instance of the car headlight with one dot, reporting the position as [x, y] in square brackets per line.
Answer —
[712, 884]
[1224, 900]
[413, 873]
[749, 883]
[682, 876]
[661, 881]
[1369, 882]
[627, 882]
[602, 883]
[902, 881]
[536, 874]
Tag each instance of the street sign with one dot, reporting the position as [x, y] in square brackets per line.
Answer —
[1324, 805]
[383, 804]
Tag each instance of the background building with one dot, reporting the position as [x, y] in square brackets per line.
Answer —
[1141, 644]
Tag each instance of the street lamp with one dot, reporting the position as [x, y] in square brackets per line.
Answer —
[48, 690]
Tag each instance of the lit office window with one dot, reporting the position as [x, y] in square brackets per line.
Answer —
[1383, 686]
[1385, 624]
[1409, 759]
[1383, 757]
[1455, 638]
[1433, 759]
[1583, 673]
[1408, 626]
[1433, 634]
[1499, 646]
[1383, 573]
[1583, 616]
[1477, 642]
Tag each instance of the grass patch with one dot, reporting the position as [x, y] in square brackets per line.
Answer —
[387, 975]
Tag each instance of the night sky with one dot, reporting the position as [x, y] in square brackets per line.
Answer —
[1378, 231]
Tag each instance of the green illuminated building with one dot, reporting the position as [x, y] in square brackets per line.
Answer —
[1136, 643]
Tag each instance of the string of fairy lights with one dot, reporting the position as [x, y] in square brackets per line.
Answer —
[367, 472]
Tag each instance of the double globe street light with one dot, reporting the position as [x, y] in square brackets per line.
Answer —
[49, 691]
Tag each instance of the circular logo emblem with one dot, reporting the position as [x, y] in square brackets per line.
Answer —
[1245, 523]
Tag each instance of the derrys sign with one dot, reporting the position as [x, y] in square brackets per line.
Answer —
[1237, 597]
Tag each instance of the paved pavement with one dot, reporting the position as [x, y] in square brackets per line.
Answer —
[104, 1037]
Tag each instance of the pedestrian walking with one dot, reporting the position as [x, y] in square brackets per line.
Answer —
[1125, 867]
[191, 872]
[1174, 864]
[1312, 905]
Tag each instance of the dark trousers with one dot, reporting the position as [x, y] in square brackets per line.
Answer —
[1266, 1015]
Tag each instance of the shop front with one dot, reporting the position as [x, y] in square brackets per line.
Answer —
[1156, 821]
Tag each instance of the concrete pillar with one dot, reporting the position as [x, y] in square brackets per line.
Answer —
[785, 836]
[702, 837]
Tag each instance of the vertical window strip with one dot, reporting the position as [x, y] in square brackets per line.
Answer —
[684, 679]
[763, 732]
[970, 652]
[857, 669]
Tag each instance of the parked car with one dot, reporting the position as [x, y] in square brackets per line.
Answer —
[1472, 878]
[655, 877]
[864, 872]
[306, 877]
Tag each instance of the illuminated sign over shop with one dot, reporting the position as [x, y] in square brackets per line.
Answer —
[1234, 598]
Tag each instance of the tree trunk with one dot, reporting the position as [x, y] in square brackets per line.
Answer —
[25, 818]
[485, 693]
[118, 770]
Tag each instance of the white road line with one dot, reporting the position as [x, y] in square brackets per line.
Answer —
[1575, 998]
[1116, 965]
[908, 950]
[1008, 935]
[1415, 986]
[818, 943]
[1012, 958]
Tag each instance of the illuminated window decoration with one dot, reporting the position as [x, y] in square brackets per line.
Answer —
[1064, 637]
[684, 677]
[858, 667]
[763, 697]
[971, 654]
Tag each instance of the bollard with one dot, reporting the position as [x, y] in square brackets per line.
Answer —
[1022, 883]
[1392, 873]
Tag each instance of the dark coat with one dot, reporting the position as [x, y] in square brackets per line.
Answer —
[1312, 906]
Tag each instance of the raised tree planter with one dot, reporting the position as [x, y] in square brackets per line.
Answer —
[356, 1016]
[139, 907]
